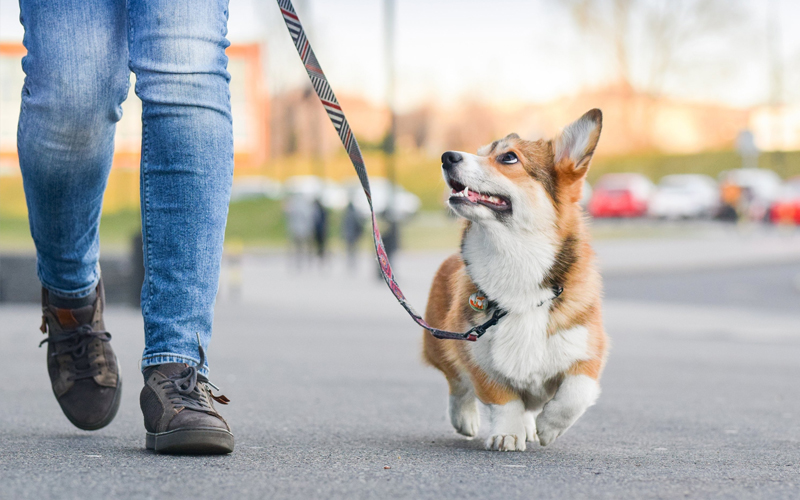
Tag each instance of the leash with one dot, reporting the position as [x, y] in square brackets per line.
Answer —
[336, 115]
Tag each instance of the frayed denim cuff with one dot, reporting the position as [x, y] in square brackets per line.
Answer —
[79, 294]
[167, 357]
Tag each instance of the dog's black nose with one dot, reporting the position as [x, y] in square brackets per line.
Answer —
[450, 159]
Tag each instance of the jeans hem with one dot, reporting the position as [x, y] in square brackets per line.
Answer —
[79, 294]
[168, 357]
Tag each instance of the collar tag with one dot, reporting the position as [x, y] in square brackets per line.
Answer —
[478, 302]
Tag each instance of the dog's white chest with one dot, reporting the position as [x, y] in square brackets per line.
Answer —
[519, 350]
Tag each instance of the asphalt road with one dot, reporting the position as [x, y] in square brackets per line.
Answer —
[701, 399]
[768, 288]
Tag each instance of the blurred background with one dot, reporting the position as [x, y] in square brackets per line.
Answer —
[693, 200]
[701, 137]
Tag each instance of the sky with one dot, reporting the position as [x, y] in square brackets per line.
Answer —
[503, 51]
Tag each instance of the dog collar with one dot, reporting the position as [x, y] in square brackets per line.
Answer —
[480, 303]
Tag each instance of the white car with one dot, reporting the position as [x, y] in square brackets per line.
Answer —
[331, 195]
[763, 184]
[405, 204]
[684, 196]
[255, 187]
[760, 188]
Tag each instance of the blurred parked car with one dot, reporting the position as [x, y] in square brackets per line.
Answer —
[405, 204]
[786, 208]
[255, 187]
[685, 196]
[756, 188]
[330, 194]
[621, 195]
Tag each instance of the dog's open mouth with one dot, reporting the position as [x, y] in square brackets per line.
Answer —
[463, 194]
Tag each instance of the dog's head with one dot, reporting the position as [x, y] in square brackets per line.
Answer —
[513, 181]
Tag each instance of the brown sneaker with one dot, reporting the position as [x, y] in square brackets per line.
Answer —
[83, 369]
[179, 413]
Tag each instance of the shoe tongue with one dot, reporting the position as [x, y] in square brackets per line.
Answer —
[73, 318]
[170, 369]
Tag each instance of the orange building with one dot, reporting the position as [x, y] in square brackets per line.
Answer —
[249, 103]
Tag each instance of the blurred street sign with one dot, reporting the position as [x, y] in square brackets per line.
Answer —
[747, 149]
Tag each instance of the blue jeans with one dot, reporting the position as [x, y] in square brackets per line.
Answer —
[80, 55]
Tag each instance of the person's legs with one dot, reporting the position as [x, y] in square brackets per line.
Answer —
[177, 52]
[76, 79]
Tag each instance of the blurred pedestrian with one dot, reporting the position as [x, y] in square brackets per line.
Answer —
[300, 214]
[352, 229]
[730, 196]
[77, 74]
[320, 228]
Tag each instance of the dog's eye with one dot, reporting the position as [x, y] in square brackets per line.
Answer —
[508, 158]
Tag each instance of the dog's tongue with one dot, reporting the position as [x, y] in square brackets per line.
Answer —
[473, 196]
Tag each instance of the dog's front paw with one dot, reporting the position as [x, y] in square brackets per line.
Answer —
[548, 433]
[577, 392]
[506, 442]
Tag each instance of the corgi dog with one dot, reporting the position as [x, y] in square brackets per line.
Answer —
[525, 249]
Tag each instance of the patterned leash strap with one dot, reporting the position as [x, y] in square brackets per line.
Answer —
[335, 113]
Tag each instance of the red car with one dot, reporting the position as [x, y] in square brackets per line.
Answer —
[786, 209]
[621, 195]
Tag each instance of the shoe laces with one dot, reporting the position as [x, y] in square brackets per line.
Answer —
[76, 343]
[186, 388]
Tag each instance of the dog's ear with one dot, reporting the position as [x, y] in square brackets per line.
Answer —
[575, 146]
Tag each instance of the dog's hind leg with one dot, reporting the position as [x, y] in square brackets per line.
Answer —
[445, 312]
[463, 406]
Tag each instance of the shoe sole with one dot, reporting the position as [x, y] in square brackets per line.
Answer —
[112, 411]
[194, 441]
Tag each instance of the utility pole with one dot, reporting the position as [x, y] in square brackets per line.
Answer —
[774, 46]
[389, 37]
[392, 233]
[312, 109]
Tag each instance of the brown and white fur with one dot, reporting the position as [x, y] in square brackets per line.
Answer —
[537, 370]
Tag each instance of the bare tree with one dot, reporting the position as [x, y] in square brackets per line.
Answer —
[776, 80]
[651, 40]
[656, 43]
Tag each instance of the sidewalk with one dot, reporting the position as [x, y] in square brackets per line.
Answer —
[719, 247]
[330, 400]
[264, 277]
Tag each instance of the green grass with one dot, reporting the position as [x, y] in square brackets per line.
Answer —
[260, 223]
[15, 234]
[431, 230]
[116, 231]
[251, 224]
[655, 166]
[422, 175]
[256, 223]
